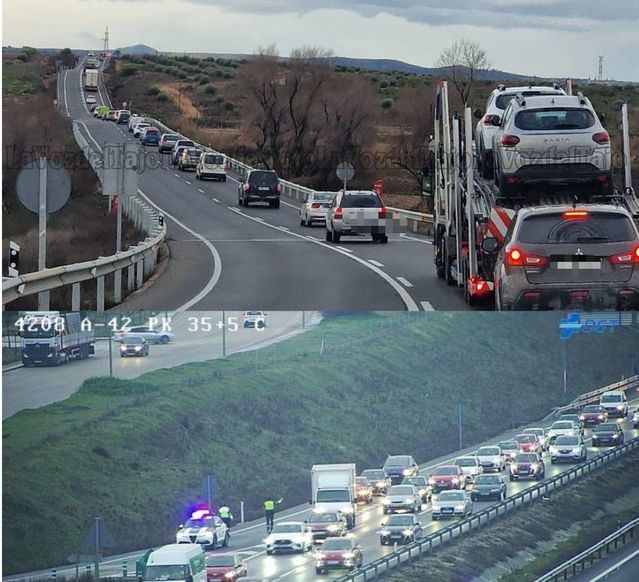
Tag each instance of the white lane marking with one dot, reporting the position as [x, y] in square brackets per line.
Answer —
[404, 282]
[64, 85]
[202, 191]
[216, 200]
[408, 301]
[426, 242]
[376, 263]
[615, 566]
[189, 183]
[217, 261]
[426, 306]
[284, 228]
[177, 175]
[346, 249]
[257, 218]
[89, 135]
[289, 204]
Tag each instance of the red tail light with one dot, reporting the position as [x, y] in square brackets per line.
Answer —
[509, 140]
[278, 188]
[246, 187]
[579, 294]
[517, 258]
[315, 205]
[626, 258]
[382, 212]
[576, 214]
[338, 212]
[601, 137]
[491, 120]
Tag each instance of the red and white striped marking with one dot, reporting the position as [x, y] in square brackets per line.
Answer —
[499, 222]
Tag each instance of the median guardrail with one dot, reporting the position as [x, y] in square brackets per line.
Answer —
[579, 562]
[485, 517]
[405, 219]
[139, 260]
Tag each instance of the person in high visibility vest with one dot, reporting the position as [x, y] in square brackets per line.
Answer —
[269, 512]
[225, 515]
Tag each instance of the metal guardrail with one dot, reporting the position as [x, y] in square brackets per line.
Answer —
[594, 552]
[406, 219]
[485, 517]
[139, 260]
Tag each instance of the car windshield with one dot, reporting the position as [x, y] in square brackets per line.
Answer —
[194, 152]
[322, 198]
[169, 137]
[525, 438]
[220, 561]
[397, 462]
[487, 480]
[508, 445]
[466, 462]
[566, 440]
[287, 528]
[201, 522]
[401, 490]
[374, 474]
[263, 178]
[592, 409]
[488, 452]
[337, 544]
[554, 119]
[363, 200]
[446, 471]
[450, 496]
[134, 340]
[36, 330]
[606, 427]
[417, 481]
[177, 572]
[561, 425]
[558, 229]
[537, 431]
[185, 142]
[331, 495]
[323, 518]
[504, 99]
[526, 458]
[362, 481]
[213, 159]
[610, 398]
[400, 520]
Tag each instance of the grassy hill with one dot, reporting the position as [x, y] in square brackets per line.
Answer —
[352, 390]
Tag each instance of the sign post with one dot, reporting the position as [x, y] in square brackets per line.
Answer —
[345, 171]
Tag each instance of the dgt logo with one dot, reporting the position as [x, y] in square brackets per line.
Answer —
[578, 322]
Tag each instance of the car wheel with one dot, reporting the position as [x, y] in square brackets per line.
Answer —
[502, 497]
[269, 552]
[164, 339]
[329, 236]
[223, 178]
[225, 541]
[336, 237]
[383, 239]
[382, 541]
[214, 542]
[435, 517]
[319, 571]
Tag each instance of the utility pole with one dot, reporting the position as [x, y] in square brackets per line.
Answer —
[209, 497]
[600, 74]
[97, 550]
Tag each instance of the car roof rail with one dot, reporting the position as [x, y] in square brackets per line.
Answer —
[501, 87]
[521, 100]
[556, 86]
[582, 98]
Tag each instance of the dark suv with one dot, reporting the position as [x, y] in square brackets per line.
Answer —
[259, 186]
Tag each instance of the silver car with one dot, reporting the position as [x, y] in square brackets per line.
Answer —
[541, 435]
[551, 140]
[471, 467]
[356, 212]
[560, 257]
[491, 459]
[402, 498]
[562, 428]
[315, 208]
[568, 448]
[490, 119]
[452, 504]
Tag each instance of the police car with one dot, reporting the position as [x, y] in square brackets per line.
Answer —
[203, 528]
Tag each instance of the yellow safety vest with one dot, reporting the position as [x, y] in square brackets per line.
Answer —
[269, 505]
[225, 512]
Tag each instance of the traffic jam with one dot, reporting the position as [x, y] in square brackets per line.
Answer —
[356, 518]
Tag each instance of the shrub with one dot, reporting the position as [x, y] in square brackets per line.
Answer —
[162, 97]
[383, 84]
[228, 75]
[210, 89]
[153, 90]
[387, 103]
[229, 107]
[182, 75]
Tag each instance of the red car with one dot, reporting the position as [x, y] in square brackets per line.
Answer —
[447, 477]
[528, 443]
[593, 414]
[338, 553]
[225, 567]
[527, 466]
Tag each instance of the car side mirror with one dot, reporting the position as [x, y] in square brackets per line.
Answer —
[181, 526]
[478, 113]
[189, 579]
[490, 244]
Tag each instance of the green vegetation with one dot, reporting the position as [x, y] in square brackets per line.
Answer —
[135, 452]
[19, 78]
[525, 529]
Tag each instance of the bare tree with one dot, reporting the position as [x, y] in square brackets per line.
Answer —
[461, 63]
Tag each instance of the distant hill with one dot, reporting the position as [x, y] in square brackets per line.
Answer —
[138, 49]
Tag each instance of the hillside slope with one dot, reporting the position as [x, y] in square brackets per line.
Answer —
[352, 390]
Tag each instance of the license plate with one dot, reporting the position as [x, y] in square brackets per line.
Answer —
[263, 188]
[581, 265]
[333, 562]
[447, 510]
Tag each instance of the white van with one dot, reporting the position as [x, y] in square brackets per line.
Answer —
[615, 403]
[211, 165]
[177, 563]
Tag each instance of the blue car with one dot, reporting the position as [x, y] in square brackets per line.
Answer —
[150, 136]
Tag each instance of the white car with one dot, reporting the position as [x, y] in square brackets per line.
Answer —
[402, 498]
[138, 127]
[153, 336]
[471, 467]
[541, 435]
[211, 165]
[134, 120]
[568, 448]
[490, 120]
[491, 459]
[315, 208]
[203, 528]
[289, 536]
[452, 504]
[256, 319]
[562, 428]
[615, 403]
[90, 100]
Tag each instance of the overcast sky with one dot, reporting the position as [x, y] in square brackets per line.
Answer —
[544, 37]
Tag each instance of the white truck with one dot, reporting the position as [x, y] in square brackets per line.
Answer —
[51, 338]
[333, 489]
[91, 79]
[176, 562]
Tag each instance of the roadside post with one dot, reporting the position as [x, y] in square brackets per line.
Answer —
[345, 172]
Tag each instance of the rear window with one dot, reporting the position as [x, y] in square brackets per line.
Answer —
[361, 201]
[554, 119]
[596, 227]
[213, 159]
[263, 178]
[503, 100]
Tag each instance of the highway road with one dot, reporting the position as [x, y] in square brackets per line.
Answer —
[247, 539]
[621, 566]
[34, 387]
[227, 257]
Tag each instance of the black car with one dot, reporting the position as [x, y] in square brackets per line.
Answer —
[607, 434]
[260, 186]
[487, 487]
[123, 116]
[380, 481]
[422, 485]
[167, 142]
[401, 528]
[397, 467]
[135, 346]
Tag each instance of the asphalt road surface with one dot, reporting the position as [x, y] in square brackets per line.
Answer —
[260, 257]
[38, 386]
